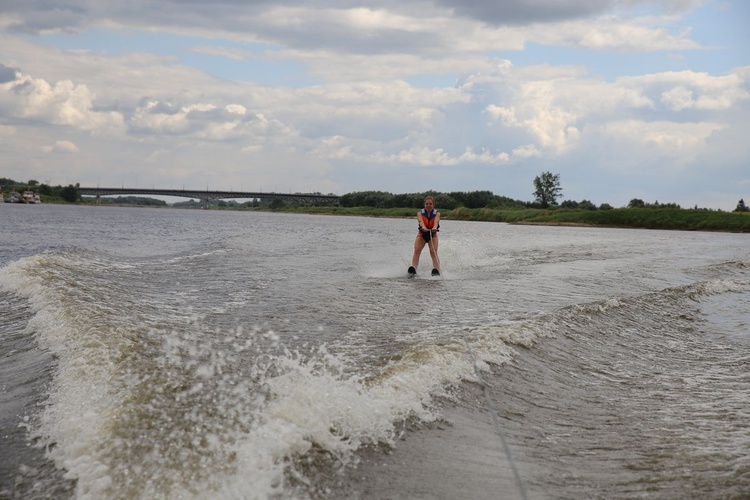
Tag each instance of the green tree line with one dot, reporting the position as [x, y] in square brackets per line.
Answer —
[132, 200]
[67, 193]
[447, 201]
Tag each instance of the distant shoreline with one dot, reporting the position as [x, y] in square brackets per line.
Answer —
[633, 218]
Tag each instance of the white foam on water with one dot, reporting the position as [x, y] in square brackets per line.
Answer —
[211, 413]
[71, 419]
[248, 425]
[315, 404]
[457, 256]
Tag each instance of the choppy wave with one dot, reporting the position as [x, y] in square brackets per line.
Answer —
[149, 400]
[637, 396]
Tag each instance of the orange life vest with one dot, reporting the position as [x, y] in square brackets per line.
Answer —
[428, 220]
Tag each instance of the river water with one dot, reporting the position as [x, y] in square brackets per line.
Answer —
[164, 353]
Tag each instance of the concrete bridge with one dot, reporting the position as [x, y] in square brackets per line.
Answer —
[206, 196]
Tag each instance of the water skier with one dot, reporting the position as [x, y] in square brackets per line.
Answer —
[428, 220]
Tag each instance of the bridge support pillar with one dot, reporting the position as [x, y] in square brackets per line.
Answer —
[205, 204]
[98, 200]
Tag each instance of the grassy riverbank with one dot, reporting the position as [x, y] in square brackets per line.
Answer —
[648, 218]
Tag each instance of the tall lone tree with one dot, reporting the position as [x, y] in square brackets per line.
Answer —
[741, 207]
[547, 189]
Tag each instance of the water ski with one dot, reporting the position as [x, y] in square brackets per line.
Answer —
[411, 271]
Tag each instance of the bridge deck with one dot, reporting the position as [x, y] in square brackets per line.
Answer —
[209, 195]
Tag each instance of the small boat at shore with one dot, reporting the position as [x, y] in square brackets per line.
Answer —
[14, 197]
[28, 197]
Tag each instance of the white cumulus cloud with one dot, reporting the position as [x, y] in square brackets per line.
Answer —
[61, 147]
[59, 103]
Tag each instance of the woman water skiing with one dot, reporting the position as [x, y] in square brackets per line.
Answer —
[429, 224]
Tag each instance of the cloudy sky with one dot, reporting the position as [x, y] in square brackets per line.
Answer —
[623, 98]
